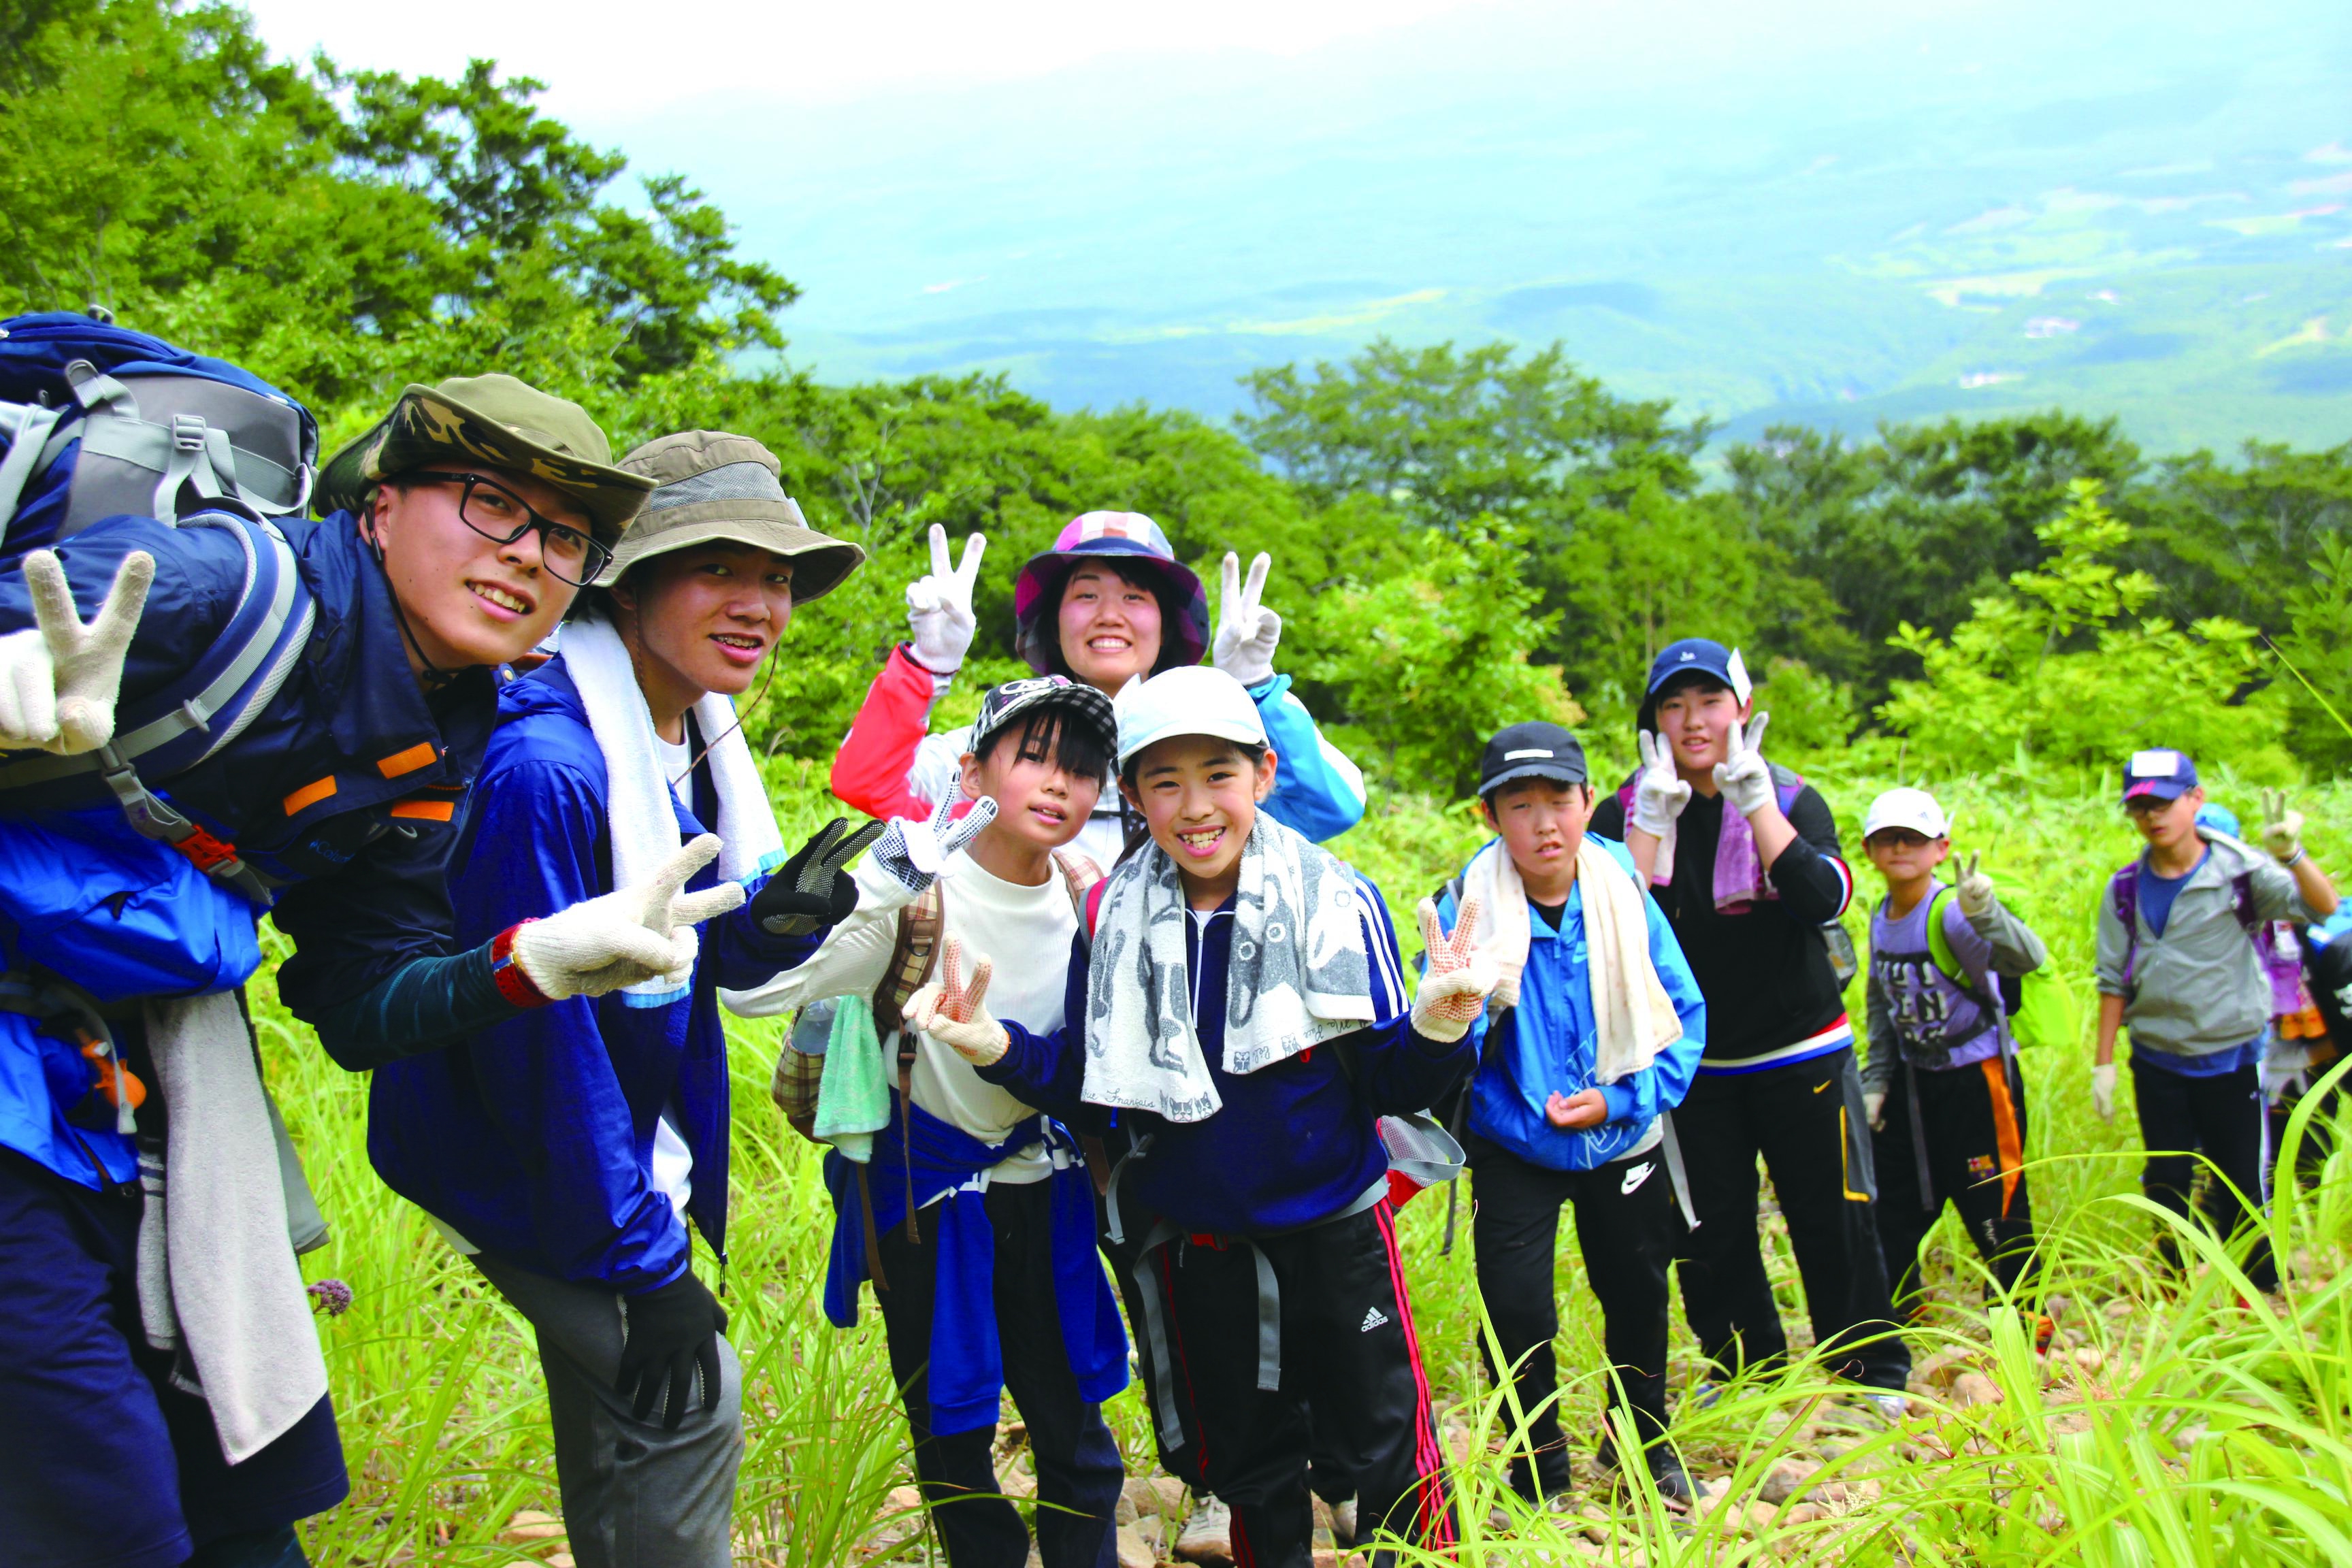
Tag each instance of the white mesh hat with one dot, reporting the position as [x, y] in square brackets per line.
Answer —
[1192, 700]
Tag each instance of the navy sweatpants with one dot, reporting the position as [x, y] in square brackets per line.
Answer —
[107, 1465]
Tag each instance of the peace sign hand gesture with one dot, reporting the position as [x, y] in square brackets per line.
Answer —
[1744, 776]
[1659, 791]
[1459, 978]
[949, 1010]
[627, 936]
[939, 605]
[810, 890]
[58, 677]
[916, 854]
[2282, 827]
[1247, 632]
[1975, 888]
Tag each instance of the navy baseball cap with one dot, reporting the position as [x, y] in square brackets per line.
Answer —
[1701, 656]
[2159, 775]
[1531, 750]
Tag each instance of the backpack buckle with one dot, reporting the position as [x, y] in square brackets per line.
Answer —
[188, 432]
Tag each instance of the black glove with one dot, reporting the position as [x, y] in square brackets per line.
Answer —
[810, 890]
[674, 1329]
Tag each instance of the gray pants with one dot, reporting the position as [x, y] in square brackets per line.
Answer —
[634, 1495]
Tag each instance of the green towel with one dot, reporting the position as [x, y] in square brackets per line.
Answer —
[853, 1101]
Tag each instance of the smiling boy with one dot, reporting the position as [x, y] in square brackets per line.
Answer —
[1595, 1028]
[2177, 966]
[1743, 858]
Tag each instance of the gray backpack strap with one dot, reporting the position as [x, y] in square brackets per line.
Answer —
[27, 426]
[1677, 1174]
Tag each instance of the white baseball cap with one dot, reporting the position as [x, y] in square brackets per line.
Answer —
[1913, 808]
[1190, 700]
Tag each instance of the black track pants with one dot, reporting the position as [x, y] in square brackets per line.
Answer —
[1348, 1351]
[2223, 1116]
[1626, 1229]
[1079, 1471]
[1974, 1119]
[1806, 1120]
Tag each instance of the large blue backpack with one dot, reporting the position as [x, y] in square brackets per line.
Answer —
[97, 421]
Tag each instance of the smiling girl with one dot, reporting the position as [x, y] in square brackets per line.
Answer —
[1110, 603]
[1241, 1006]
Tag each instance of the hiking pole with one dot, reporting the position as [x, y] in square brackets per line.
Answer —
[2308, 686]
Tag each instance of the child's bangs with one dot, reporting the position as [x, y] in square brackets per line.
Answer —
[1049, 735]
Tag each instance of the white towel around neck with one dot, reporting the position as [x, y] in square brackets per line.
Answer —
[1633, 1018]
[639, 808]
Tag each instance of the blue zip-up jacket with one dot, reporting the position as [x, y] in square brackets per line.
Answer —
[533, 1139]
[1548, 1043]
[1294, 1143]
[348, 784]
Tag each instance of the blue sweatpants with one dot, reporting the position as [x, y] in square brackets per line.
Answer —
[107, 1465]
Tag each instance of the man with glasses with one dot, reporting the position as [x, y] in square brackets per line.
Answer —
[453, 536]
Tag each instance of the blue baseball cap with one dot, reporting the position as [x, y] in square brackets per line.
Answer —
[1693, 657]
[2161, 773]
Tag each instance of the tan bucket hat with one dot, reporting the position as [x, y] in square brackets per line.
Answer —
[710, 485]
[502, 423]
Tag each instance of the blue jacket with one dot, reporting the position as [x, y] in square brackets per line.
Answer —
[1295, 1143]
[533, 1139]
[1547, 1043]
[966, 1364]
[347, 785]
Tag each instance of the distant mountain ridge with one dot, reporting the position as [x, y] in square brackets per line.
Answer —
[2145, 215]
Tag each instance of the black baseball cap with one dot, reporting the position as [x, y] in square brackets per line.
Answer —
[1000, 705]
[1531, 750]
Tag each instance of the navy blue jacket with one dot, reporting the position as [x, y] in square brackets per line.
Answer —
[1294, 1143]
[534, 1138]
[348, 783]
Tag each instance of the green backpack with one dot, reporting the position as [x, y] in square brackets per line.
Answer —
[2041, 1008]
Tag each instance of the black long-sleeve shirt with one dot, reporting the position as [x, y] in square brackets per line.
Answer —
[1764, 971]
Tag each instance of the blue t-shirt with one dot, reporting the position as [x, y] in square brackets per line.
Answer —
[2157, 894]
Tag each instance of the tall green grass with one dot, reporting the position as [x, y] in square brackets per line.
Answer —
[2178, 1422]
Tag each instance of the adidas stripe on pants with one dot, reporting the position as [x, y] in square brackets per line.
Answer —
[1348, 1351]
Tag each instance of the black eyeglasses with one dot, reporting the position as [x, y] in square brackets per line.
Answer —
[495, 512]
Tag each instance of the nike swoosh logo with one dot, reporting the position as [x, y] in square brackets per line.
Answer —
[1637, 1175]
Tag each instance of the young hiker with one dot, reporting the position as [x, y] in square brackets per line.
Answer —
[2177, 966]
[1109, 603]
[1595, 1028]
[570, 1148]
[1743, 858]
[342, 668]
[2301, 1046]
[1245, 1013]
[1943, 1089]
[991, 1280]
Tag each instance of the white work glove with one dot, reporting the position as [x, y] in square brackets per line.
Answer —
[1874, 1109]
[626, 936]
[1744, 776]
[939, 605]
[1659, 791]
[915, 854]
[1975, 888]
[1247, 632]
[2282, 827]
[1455, 987]
[59, 679]
[950, 1011]
[2103, 1091]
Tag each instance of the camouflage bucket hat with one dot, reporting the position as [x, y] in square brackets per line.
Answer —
[711, 486]
[499, 423]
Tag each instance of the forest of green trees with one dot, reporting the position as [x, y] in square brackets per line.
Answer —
[1459, 532]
